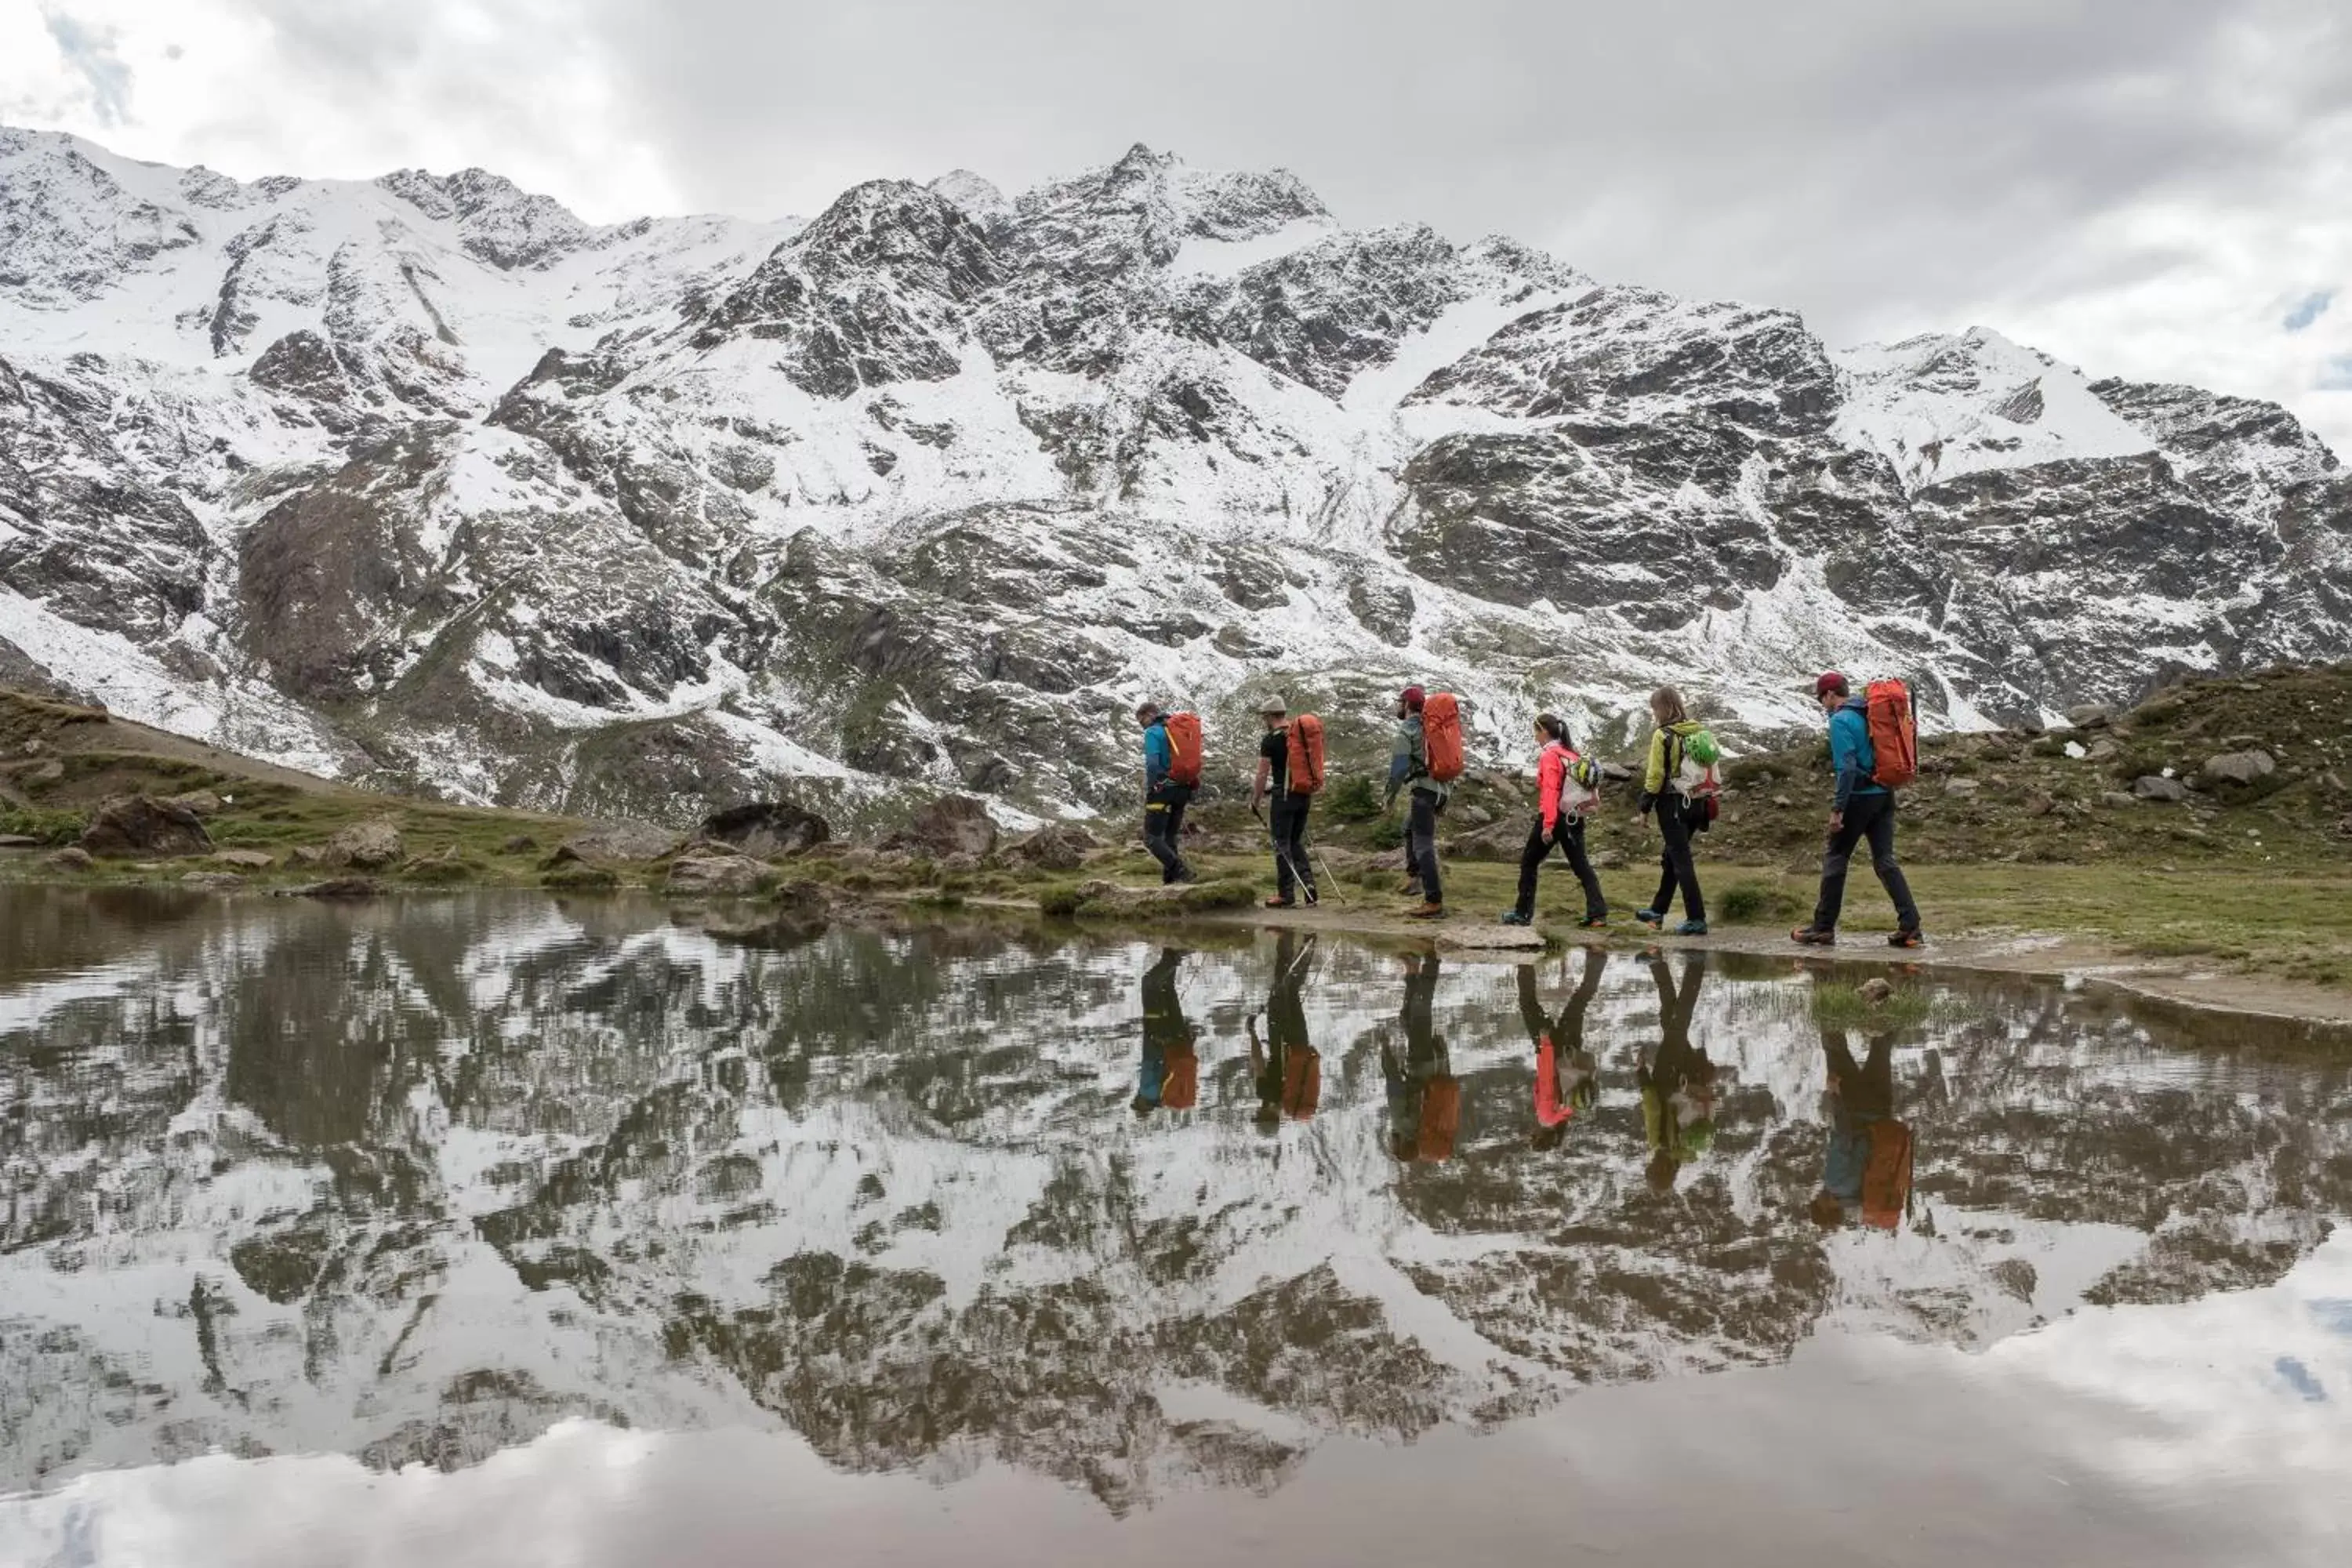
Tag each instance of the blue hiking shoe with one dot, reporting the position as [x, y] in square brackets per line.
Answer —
[1513, 918]
[1691, 928]
[1650, 918]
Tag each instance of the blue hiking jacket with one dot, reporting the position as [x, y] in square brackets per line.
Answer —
[1159, 756]
[1851, 753]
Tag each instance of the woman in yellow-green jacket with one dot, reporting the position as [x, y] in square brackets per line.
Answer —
[1666, 787]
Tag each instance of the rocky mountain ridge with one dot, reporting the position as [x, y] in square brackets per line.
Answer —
[426, 482]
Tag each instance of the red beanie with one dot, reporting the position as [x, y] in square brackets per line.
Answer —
[1412, 699]
[1831, 680]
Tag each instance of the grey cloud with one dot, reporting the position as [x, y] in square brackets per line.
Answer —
[2308, 309]
[91, 51]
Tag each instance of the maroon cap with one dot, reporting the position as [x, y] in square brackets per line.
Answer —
[1831, 680]
[1412, 698]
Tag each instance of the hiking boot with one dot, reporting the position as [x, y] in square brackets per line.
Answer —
[1813, 936]
[1411, 890]
[1279, 903]
[1186, 877]
[1906, 939]
[1313, 898]
[1426, 912]
[1650, 918]
[1513, 918]
[1691, 928]
[1593, 923]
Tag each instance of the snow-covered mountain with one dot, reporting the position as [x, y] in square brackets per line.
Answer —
[521, 1163]
[427, 481]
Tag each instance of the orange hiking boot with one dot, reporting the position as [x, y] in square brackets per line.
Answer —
[1426, 912]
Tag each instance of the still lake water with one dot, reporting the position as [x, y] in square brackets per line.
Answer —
[496, 1229]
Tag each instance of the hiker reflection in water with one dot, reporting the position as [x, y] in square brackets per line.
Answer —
[1425, 1097]
[1288, 1071]
[1568, 1079]
[1678, 1089]
[1170, 1072]
[1867, 1173]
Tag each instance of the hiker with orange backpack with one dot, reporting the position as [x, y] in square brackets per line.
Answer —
[1567, 788]
[1426, 759]
[1289, 760]
[1171, 771]
[1679, 785]
[1874, 746]
[1867, 1171]
[1568, 1077]
[1425, 1097]
[1287, 1071]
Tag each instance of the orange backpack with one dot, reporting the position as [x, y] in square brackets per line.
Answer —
[1886, 1175]
[1303, 774]
[1181, 1089]
[1302, 1082]
[1441, 730]
[1440, 1118]
[1184, 749]
[1894, 733]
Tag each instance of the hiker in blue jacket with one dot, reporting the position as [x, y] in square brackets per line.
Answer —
[1863, 808]
[1164, 800]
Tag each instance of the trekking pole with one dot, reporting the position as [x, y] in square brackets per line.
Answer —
[1328, 880]
[1305, 882]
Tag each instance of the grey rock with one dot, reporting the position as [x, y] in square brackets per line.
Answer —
[622, 841]
[2091, 716]
[950, 825]
[1056, 847]
[1962, 787]
[141, 826]
[72, 858]
[247, 859]
[2118, 799]
[366, 846]
[714, 875]
[2155, 787]
[213, 882]
[2239, 767]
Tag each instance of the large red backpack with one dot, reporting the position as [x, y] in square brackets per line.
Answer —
[1303, 774]
[1894, 733]
[1184, 749]
[1181, 1089]
[1441, 731]
[1886, 1175]
[1302, 1082]
[1440, 1118]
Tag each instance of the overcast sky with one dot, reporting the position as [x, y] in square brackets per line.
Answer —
[2155, 188]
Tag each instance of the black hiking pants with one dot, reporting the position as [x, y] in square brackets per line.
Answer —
[1287, 815]
[1163, 828]
[1678, 819]
[1421, 846]
[1568, 832]
[1870, 816]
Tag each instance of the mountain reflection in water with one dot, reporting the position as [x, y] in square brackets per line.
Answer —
[416, 1182]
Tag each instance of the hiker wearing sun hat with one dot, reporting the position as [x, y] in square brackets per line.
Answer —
[1289, 797]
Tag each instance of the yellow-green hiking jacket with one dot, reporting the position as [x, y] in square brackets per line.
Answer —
[1666, 754]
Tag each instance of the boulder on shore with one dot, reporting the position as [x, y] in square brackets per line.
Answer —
[720, 875]
[767, 828]
[366, 846]
[142, 825]
[2153, 786]
[950, 825]
[621, 841]
[2091, 716]
[1056, 847]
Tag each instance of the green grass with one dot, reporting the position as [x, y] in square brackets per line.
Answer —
[50, 826]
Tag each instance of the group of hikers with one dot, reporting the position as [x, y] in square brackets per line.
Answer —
[1866, 1173]
[1872, 748]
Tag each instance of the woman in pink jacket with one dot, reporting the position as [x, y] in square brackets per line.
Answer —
[1567, 787]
